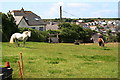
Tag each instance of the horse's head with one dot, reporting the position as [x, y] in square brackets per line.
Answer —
[28, 33]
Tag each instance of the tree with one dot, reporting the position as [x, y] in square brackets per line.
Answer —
[118, 36]
[53, 31]
[65, 25]
[8, 26]
[87, 35]
[68, 20]
[72, 32]
[68, 35]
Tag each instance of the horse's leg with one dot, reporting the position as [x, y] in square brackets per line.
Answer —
[16, 41]
[23, 43]
[103, 44]
[99, 43]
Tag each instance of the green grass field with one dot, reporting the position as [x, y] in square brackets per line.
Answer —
[63, 60]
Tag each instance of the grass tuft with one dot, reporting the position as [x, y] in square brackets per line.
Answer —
[12, 59]
[54, 71]
[96, 57]
[55, 60]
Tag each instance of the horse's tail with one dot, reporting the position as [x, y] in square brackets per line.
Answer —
[12, 39]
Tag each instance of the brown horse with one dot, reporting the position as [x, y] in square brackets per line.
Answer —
[101, 42]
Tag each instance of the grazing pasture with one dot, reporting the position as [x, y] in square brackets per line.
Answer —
[63, 60]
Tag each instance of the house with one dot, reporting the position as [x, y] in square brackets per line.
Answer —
[28, 19]
[93, 27]
[79, 22]
[52, 26]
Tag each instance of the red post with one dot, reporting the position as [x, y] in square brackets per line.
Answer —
[20, 70]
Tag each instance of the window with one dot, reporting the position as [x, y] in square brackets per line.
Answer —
[36, 19]
[33, 27]
[41, 28]
[26, 19]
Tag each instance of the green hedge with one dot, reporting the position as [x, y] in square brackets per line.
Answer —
[36, 35]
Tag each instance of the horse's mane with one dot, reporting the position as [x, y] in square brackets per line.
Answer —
[27, 33]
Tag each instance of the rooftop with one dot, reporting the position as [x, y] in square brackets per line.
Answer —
[31, 18]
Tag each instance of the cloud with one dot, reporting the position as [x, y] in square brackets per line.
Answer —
[105, 5]
[61, 0]
[77, 9]
[53, 11]
[78, 5]
[81, 10]
[104, 13]
[60, 3]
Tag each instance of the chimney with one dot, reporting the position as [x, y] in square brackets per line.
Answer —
[9, 12]
[22, 10]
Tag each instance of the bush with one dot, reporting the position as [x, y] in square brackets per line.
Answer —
[72, 32]
[36, 35]
[68, 35]
[53, 31]
[112, 38]
[65, 25]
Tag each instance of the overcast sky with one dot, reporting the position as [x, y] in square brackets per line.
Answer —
[71, 8]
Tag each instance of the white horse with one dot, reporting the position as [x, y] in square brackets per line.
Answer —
[18, 36]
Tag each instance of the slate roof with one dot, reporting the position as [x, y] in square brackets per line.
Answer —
[31, 18]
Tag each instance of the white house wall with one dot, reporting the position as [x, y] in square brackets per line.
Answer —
[23, 24]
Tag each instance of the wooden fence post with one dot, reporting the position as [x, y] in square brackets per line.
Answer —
[22, 63]
[21, 75]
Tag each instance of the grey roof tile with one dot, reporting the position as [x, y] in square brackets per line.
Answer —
[29, 17]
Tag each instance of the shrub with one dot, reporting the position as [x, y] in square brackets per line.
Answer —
[72, 32]
[36, 35]
[68, 35]
[53, 31]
